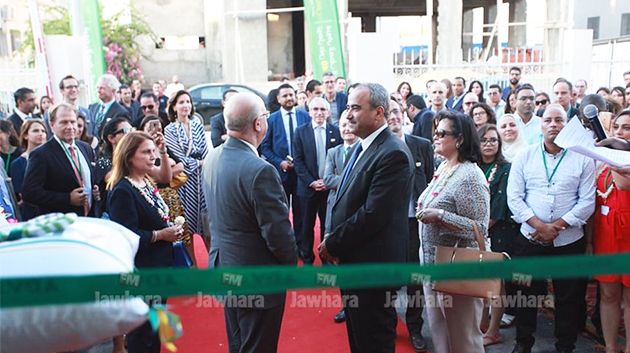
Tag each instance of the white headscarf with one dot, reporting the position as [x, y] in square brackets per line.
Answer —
[511, 149]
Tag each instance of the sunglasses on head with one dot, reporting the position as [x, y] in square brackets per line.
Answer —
[542, 101]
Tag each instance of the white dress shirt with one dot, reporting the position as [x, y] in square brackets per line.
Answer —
[569, 195]
[285, 121]
[531, 130]
[365, 143]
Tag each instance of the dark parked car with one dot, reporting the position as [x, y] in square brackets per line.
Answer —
[207, 97]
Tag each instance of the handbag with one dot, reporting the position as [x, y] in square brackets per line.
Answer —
[483, 288]
[182, 258]
[179, 180]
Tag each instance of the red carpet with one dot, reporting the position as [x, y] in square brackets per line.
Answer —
[304, 330]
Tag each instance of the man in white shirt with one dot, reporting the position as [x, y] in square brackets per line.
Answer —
[495, 101]
[528, 122]
[551, 192]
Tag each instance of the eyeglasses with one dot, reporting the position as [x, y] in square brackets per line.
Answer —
[442, 133]
[490, 141]
[481, 113]
[149, 107]
[124, 130]
[542, 101]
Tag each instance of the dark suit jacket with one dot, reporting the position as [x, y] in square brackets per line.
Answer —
[134, 112]
[274, 146]
[422, 153]
[341, 99]
[305, 155]
[423, 125]
[114, 111]
[369, 218]
[458, 107]
[130, 209]
[49, 177]
[217, 129]
[335, 161]
[17, 122]
[247, 211]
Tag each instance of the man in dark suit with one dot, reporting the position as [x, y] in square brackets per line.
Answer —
[24, 105]
[459, 89]
[59, 174]
[106, 108]
[337, 100]
[369, 217]
[422, 154]
[256, 230]
[310, 145]
[277, 147]
[218, 133]
[132, 106]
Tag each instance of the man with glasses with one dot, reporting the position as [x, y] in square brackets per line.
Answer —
[469, 100]
[149, 105]
[528, 123]
[550, 192]
[422, 153]
[494, 100]
[69, 87]
[337, 100]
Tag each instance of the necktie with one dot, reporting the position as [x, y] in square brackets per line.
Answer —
[77, 174]
[350, 165]
[320, 144]
[100, 114]
[290, 132]
[345, 153]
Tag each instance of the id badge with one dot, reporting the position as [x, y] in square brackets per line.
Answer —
[605, 209]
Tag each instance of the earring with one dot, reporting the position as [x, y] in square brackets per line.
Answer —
[457, 145]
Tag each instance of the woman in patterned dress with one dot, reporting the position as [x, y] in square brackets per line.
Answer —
[185, 138]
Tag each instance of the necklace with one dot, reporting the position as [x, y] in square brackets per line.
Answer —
[440, 179]
[608, 187]
[153, 197]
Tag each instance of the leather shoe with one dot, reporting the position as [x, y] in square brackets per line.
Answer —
[521, 349]
[340, 316]
[418, 342]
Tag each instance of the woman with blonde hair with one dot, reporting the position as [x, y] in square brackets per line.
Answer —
[135, 202]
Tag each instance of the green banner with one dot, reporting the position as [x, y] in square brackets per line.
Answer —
[86, 21]
[322, 21]
[19, 292]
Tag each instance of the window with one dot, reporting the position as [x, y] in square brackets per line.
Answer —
[593, 23]
[625, 24]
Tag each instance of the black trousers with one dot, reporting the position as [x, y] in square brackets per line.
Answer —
[311, 207]
[252, 330]
[293, 201]
[143, 339]
[569, 297]
[370, 319]
[415, 303]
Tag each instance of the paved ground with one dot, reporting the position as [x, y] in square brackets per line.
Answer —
[544, 338]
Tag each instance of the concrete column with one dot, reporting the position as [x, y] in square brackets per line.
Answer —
[467, 27]
[517, 35]
[449, 32]
[368, 23]
[214, 28]
[490, 17]
[245, 41]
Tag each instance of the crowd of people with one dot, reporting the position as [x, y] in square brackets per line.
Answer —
[389, 175]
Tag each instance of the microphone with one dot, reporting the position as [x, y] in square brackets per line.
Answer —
[590, 112]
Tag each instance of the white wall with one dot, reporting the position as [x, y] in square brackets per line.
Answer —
[609, 12]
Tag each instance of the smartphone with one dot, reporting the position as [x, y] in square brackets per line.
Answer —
[153, 126]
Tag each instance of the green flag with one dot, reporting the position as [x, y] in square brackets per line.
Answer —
[325, 37]
[88, 23]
